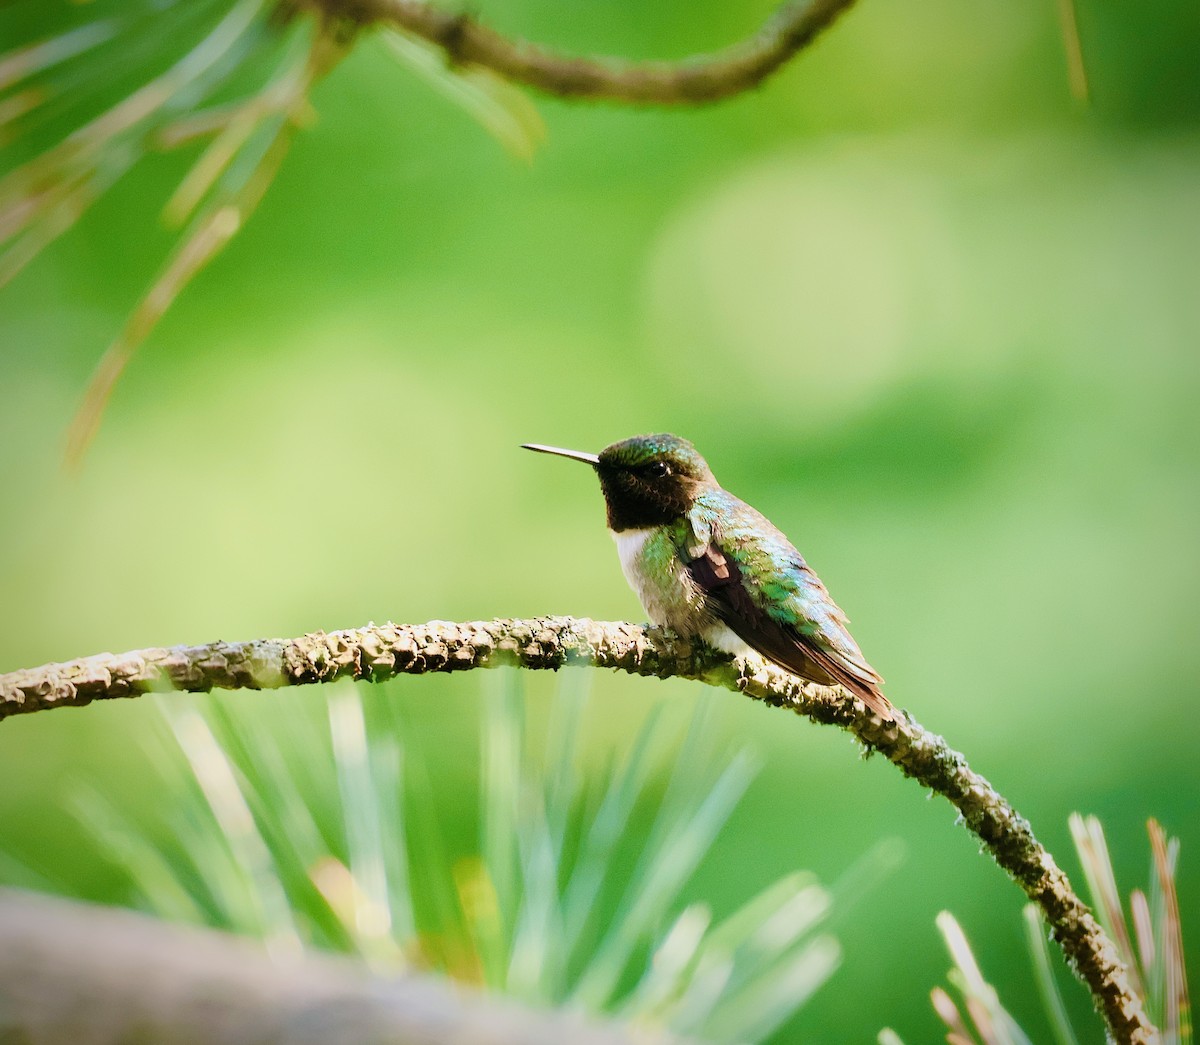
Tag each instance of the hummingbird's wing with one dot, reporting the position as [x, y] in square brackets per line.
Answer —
[788, 615]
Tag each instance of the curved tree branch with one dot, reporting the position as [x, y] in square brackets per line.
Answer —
[708, 78]
[378, 652]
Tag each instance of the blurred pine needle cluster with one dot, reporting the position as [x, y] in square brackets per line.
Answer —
[1153, 954]
[303, 833]
[228, 79]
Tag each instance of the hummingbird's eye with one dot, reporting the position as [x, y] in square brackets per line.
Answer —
[658, 469]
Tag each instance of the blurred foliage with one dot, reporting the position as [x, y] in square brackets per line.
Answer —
[933, 317]
[329, 836]
[1155, 964]
[55, 91]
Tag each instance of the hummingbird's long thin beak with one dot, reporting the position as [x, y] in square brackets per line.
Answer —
[575, 455]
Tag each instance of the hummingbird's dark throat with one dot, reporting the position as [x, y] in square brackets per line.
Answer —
[637, 502]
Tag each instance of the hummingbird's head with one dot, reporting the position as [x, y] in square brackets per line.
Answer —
[648, 480]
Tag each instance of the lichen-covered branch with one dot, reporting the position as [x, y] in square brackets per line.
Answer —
[75, 974]
[708, 78]
[382, 651]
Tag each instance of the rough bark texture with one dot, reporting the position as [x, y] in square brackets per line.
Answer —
[378, 652]
[74, 974]
[737, 68]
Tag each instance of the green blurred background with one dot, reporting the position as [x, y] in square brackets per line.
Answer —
[931, 315]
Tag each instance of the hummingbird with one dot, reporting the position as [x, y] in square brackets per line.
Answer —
[706, 565]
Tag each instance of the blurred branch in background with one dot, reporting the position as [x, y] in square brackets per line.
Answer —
[709, 78]
[288, 46]
[379, 652]
[74, 974]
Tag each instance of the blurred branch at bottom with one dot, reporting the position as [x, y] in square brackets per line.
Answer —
[378, 652]
[76, 974]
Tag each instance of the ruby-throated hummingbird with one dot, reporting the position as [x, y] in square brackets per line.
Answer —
[707, 565]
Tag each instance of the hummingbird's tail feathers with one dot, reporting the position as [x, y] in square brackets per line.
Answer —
[856, 676]
[831, 667]
[810, 661]
[870, 695]
[878, 703]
